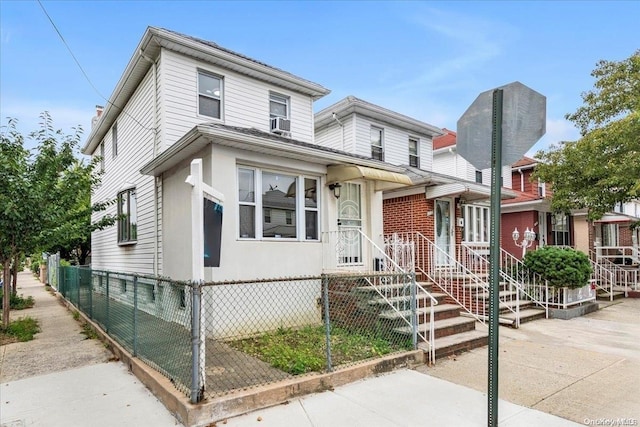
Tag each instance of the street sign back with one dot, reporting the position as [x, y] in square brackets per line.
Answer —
[523, 124]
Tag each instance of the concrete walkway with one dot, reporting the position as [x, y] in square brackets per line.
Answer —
[61, 378]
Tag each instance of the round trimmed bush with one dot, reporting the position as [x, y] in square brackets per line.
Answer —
[560, 266]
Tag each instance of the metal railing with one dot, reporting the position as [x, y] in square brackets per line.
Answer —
[603, 278]
[624, 278]
[350, 249]
[620, 255]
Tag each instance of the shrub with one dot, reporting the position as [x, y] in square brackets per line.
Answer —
[560, 267]
[22, 329]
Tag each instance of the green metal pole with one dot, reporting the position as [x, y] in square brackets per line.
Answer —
[494, 257]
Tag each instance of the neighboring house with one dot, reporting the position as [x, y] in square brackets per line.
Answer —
[614, 235]
[474, 210]
[531, 210]
[182, 98]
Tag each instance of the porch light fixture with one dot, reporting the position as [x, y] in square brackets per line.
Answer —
[527, 242]
[336, 189]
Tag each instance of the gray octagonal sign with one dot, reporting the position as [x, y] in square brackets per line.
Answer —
[524, 116]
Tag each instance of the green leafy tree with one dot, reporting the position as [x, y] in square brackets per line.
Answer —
[602, 168]
[45, 198]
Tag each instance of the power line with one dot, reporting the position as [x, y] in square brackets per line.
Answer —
[84, 73]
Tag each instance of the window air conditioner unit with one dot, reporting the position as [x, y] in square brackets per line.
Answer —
[280, 125]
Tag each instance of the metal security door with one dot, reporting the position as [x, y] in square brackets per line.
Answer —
[443, 232]
[349, 225]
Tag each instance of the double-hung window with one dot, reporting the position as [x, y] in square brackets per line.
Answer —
[414, 156]
[278, 106]
[209, 95]
[127, 216]
[377, 148]
[560, 229]
[114, 140]
[479, 177]
[288, 203]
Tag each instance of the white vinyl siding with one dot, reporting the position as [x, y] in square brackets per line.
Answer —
[245, 100]
[135, 148]
[396, 150]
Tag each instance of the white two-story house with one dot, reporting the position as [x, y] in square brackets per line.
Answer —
[181, 98]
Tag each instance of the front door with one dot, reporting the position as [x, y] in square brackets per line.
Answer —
[349, 225]
[444, 232]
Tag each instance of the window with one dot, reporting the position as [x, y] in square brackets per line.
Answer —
[476, 220]
[609, 234]
[479, 177]
[127, 217]
[541, 189]
[114, 140]
[377, 151]
[209, 95]
[278, 106]
[560, 229]
[281, 198]
[414, 157]
[102, 157]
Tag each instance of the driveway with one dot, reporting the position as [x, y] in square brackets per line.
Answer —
[586, 369]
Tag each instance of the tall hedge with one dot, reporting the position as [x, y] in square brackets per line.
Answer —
[560, 266]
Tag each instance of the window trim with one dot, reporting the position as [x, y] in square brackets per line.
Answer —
[417, 152]
[220, 97]
[298, 219]
[381, 146]
[130, 240]
[283, 99]
[114, 140]
[101, 154]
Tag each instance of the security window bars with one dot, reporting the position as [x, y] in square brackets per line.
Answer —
[127, 217]
[377, 150]
[476, 224]
[209, 95]
[281, 198]
[414, 158]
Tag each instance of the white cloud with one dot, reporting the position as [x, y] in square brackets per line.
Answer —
[558, 130]
[475, 41]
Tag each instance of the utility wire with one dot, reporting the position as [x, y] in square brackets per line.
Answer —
[84, 73]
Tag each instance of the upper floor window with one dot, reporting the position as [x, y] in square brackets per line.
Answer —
[288, 203]
[414, 157]
[541, 189]
[101, 157]
[279, 114]
[479, 177]
[377, 150]
[209, 95]
[278, 106]
[114, 140]
[127, 216]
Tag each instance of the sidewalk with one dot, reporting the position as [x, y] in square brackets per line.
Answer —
[552, 372]
[61, 378]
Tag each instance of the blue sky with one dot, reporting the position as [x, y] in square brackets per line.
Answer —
[428, 60]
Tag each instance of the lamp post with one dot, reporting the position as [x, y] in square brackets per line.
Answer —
[527, 241]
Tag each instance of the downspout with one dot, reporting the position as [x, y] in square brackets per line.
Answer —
[335, 117]
[521, 180]
[156, 180]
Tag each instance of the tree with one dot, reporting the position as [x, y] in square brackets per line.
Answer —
[45, 199]
[602, 168]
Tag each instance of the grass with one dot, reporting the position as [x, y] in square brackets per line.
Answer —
[89, 332]
[21, 330]
[298, 351]
[18, 302]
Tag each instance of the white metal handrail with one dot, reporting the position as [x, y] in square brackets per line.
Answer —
[358, 250]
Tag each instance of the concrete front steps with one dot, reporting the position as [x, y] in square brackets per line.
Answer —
[453, 333]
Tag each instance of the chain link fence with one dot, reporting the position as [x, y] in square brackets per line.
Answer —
[247, 333]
